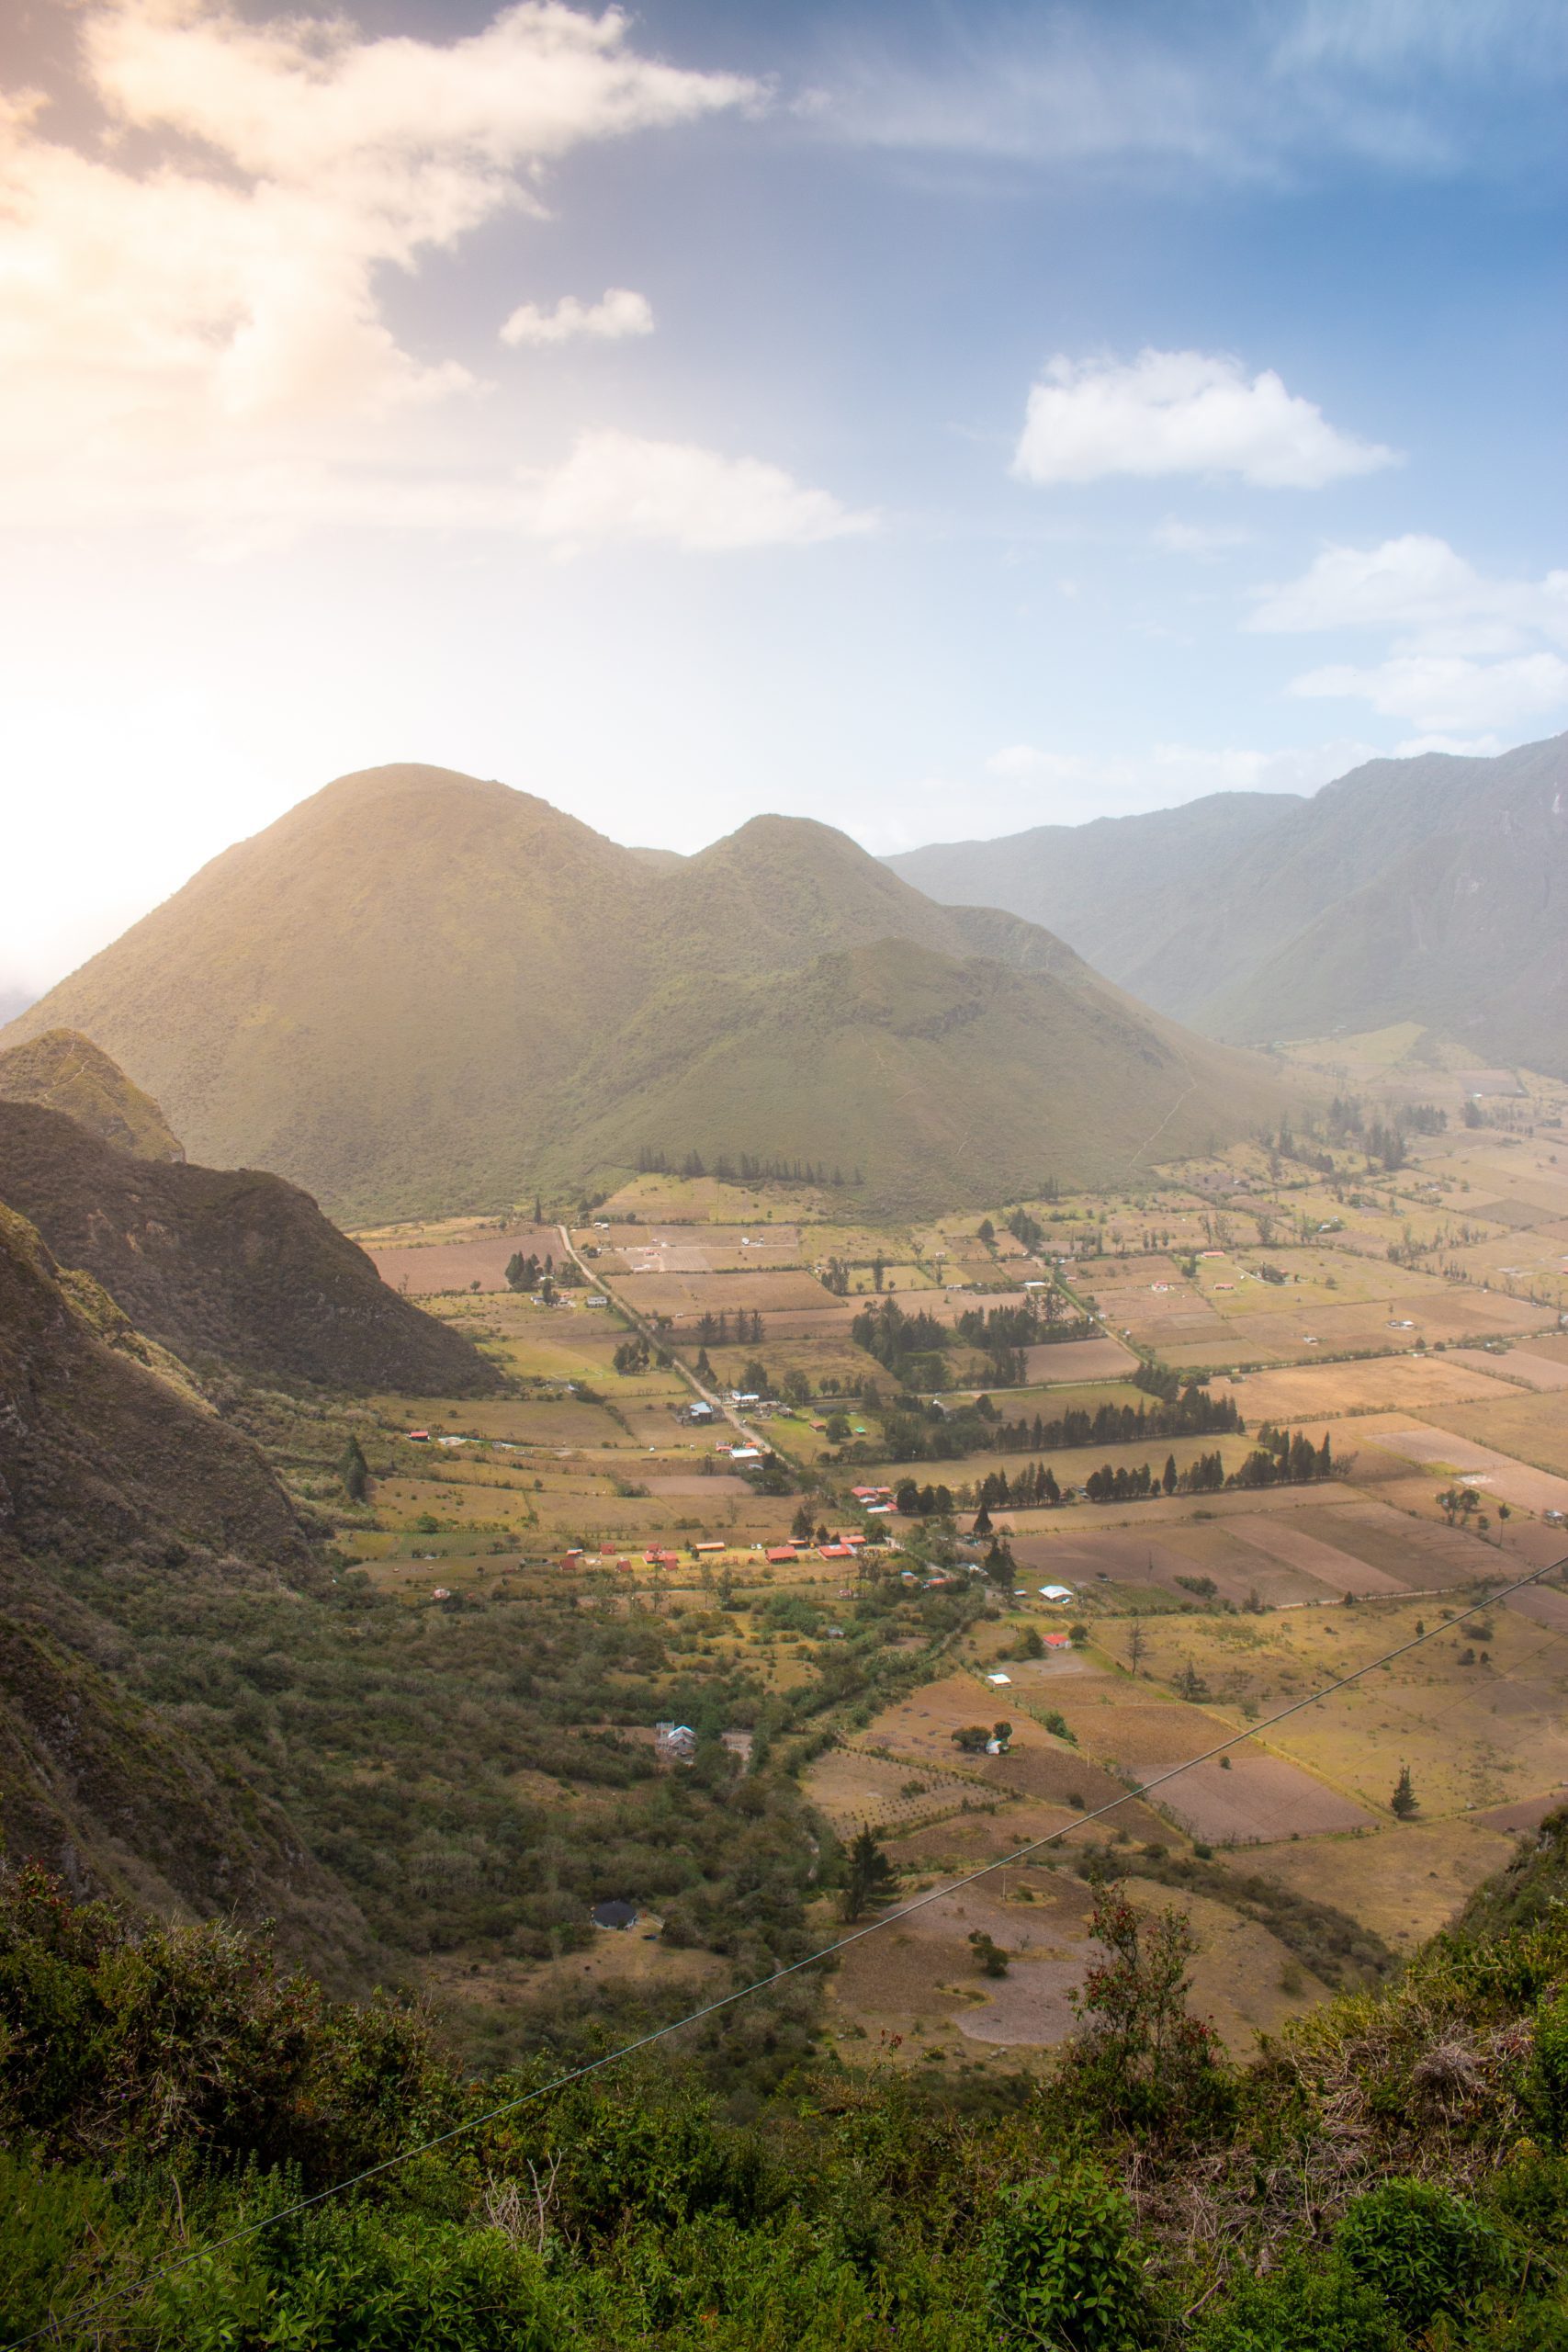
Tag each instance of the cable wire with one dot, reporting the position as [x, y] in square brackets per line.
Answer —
[776, 1977]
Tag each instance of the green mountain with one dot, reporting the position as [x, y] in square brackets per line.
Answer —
[225, 1265]
[419, 992]
[67, 1072]
[111, 1463]
[1431, 889]
[104, 1442]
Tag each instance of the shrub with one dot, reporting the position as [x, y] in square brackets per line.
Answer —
[1425, 2251]
[1303, 2307]
[1547, 2084]
[1061, 2268]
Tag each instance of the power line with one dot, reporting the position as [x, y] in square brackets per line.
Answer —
[777, 1976]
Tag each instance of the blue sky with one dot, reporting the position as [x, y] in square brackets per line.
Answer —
[935, 420]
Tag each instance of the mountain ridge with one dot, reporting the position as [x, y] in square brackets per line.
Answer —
[420, 992]
[1431, 888]
[231, 1265]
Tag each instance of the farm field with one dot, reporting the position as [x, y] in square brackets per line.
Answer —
[1530, 1429]
[1199, 1612]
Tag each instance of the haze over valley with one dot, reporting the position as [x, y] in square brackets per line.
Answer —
[784, 1178]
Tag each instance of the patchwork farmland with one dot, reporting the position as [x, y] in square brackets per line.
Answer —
[777, 1431]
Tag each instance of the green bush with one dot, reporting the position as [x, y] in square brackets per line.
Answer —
[1425, 2251]
[1547, 2083]
[1302, 2307]
[1061, 2268]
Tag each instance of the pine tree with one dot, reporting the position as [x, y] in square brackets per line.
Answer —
[354, 1470]
[1404, 1798]
[870, 1878]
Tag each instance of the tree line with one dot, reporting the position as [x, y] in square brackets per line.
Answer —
[744, 1168]
[912, 1433]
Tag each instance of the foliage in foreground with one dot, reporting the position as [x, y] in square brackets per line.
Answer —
[1391, 2176]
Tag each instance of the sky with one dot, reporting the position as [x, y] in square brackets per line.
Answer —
[934, 419]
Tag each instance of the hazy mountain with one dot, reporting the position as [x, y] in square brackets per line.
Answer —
[1432, 889]
[1109, 886]
[418, 991]
[65, 1072]
[226, 1264]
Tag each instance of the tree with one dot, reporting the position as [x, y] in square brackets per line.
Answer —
[1137, 1643]
[354, 1470]
[986, 1231]
[869, 1880]
[982, 1521]
[990, 1957]
[1402, 1800]
[800, 1525]
[999, 1564]
[972, 1739]
[1144, 2058]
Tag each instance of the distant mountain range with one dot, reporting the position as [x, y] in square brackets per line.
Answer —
[419, 992]
[1431, 889]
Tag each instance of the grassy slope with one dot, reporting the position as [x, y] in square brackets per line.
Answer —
[939, 1078]
[418, 992]
[65, 1071]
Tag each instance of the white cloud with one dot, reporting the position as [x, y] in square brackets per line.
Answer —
[1466, 652]
[1442, 694]
[200, 333]
[617, 313]
[1420, 587]
[1181, 413]
[619, 486]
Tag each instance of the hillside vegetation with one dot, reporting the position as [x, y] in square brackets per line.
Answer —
[1391, 2176]
[1432, 889]
[418, 991]
[63, 1071]
[103, 1441]
[225, 1266]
